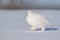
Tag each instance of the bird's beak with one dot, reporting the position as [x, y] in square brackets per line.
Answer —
[26, 14]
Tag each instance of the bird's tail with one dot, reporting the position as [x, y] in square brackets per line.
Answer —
[51, 25]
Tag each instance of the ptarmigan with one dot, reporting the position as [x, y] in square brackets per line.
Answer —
[36, 20]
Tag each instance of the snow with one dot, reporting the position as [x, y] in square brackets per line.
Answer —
[13, 25]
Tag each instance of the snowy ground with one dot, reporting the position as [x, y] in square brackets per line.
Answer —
[13, 25]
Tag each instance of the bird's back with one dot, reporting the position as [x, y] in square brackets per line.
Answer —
[36, 19]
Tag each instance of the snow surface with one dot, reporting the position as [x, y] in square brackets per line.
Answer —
[13, 25]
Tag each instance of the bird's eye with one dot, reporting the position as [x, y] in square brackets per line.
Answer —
[29, 13]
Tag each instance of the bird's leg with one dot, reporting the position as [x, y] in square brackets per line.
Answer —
[32, 28]
[42, 29]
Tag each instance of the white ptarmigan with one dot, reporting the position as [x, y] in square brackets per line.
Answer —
[36, 20]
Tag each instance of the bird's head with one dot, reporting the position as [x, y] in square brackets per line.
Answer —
[28, 12]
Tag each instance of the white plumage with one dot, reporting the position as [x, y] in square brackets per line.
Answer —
[36, 20]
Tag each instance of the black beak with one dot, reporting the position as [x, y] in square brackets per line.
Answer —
[26, 14]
